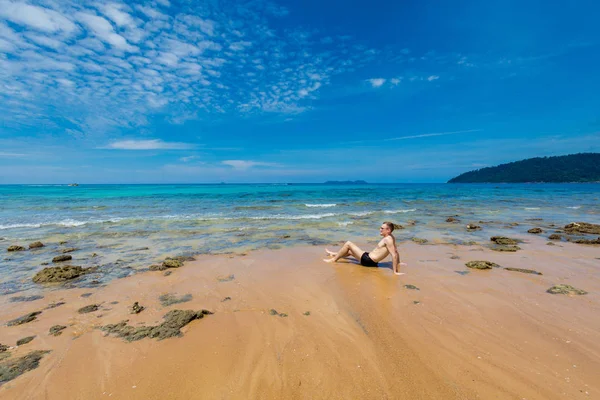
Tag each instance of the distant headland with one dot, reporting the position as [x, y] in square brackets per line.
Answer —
[581, 167]
[346, 183]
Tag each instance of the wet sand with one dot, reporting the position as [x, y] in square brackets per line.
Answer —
[491, 334]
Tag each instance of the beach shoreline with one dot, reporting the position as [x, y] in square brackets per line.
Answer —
[432, 333]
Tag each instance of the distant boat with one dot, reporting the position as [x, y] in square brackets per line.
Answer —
[73, 184]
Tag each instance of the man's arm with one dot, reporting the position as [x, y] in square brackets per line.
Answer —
[391, 246]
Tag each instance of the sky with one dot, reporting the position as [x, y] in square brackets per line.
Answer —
[246, 91]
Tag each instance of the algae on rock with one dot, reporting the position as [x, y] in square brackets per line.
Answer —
[174, 320]
[565, 289]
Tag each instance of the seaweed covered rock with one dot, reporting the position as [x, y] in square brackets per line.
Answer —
[473, 227]
[56, 330]
[157, 267]
[587, 241]
[523, 270]
[174, 320]
[61, 274]
[170, 299]
[419, 240]
[35, 245]
[13, 367]
[136, 308]
[15, 247]
[88, 309]
[172, 263]
[62, 257]
[583, 227]
[17, 299]
[555, 236]
[3, 348]
[506, 248]
[397, 227]
[273, 311]
[452, 220]
[69, 250]
[481, 265]
[503, 240]
[565, 289]
[25, 340]
[535, 230]
[32, 316]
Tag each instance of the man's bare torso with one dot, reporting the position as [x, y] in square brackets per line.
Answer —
[380, 252]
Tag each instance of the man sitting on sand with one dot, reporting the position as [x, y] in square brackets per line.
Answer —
[386, 246]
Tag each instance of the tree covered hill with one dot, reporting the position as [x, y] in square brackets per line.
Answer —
[582, 167]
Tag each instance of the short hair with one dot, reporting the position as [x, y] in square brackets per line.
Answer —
[390, 225]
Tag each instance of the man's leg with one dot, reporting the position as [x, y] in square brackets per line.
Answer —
[348, 249]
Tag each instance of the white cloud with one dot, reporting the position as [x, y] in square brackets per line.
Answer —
[40, 18]
[117, 15]
[188, 158]
[376, 82]
[104, 31]
[237, 46]
[395, 81]
[433, 78]
[129, 63]
[153, 144]
[246, 164]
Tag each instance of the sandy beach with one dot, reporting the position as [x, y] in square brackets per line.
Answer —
[433, 333]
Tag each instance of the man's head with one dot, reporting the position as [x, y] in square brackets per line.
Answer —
[386, 228]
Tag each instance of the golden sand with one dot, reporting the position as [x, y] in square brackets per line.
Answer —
[491, 334]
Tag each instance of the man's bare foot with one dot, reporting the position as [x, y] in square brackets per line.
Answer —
[328, 260]
[331, 253]
[399, 273]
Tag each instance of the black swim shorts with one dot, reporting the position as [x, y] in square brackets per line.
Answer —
[366, 261]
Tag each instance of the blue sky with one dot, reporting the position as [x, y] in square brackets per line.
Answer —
[291, 91]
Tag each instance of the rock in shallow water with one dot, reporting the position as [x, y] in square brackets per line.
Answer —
[582, 227]
[35, 245]
[535, 230]
[587, 241]
[15, 248]
[61, 258]
[61, 274]
[174, 320]
[503, 240]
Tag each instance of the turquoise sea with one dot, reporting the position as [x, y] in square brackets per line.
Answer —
[129, 227]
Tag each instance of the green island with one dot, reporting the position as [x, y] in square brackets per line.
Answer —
[576, 168]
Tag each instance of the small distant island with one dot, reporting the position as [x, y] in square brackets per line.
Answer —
[346, 183]
[582, 167]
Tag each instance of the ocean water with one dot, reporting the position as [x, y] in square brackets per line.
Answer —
[125, 228]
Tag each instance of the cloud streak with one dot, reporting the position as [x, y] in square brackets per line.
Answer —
[432, 134]
[154, 144]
